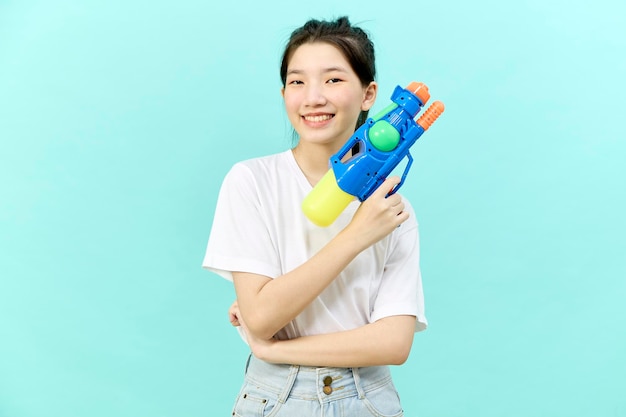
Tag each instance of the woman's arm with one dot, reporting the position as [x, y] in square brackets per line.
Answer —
[269, 304]
[387, 341]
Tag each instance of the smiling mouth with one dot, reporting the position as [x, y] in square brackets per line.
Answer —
[318, 118]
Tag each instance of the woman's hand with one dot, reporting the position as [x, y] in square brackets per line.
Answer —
[260, 347]
[234, 313]
[379, 215]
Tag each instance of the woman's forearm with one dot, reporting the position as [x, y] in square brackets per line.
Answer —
[269, 304]
[385, 342]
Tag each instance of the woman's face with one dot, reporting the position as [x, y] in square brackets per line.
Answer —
[323, 95]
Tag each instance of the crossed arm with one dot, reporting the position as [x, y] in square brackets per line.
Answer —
[266, 305]
[387, 341]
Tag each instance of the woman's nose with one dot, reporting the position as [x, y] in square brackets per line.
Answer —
[314, 95]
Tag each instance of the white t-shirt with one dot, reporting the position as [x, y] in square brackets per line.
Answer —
[259, 227]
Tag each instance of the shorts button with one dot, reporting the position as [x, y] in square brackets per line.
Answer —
[327, 389]
[328, 380]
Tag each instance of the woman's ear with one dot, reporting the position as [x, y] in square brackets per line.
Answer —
[282, 92]
[369, 96]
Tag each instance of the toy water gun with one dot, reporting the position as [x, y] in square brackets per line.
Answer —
[377, 146]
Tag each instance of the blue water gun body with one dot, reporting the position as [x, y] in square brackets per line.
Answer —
[378, 146]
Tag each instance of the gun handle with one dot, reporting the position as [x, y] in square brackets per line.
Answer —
[404, 174]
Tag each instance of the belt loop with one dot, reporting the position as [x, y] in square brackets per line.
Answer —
[357, 382]
[291, 379]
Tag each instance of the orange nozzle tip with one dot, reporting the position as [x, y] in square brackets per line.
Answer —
[431, 114]
[420, 90]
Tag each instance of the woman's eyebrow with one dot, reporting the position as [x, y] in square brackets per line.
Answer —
[333, 69]
[325, 70]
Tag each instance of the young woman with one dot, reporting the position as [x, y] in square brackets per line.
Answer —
[324, 310]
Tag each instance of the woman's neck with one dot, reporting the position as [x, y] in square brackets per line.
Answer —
[313, 160]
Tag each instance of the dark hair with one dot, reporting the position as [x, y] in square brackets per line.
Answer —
[351, 40]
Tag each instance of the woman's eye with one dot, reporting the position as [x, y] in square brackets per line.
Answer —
[334, 80]
[295, 82]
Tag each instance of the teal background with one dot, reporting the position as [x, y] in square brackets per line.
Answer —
[118, 120]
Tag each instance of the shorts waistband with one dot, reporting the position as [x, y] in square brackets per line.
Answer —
[325, 384]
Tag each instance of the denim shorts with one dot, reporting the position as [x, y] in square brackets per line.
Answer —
[271, 390]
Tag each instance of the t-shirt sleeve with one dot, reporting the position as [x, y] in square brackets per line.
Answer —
[239, 238]
[400, 291]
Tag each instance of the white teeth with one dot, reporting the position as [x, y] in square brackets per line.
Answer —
[318, 118]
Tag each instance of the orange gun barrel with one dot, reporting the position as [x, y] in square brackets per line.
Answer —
[430, 115]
